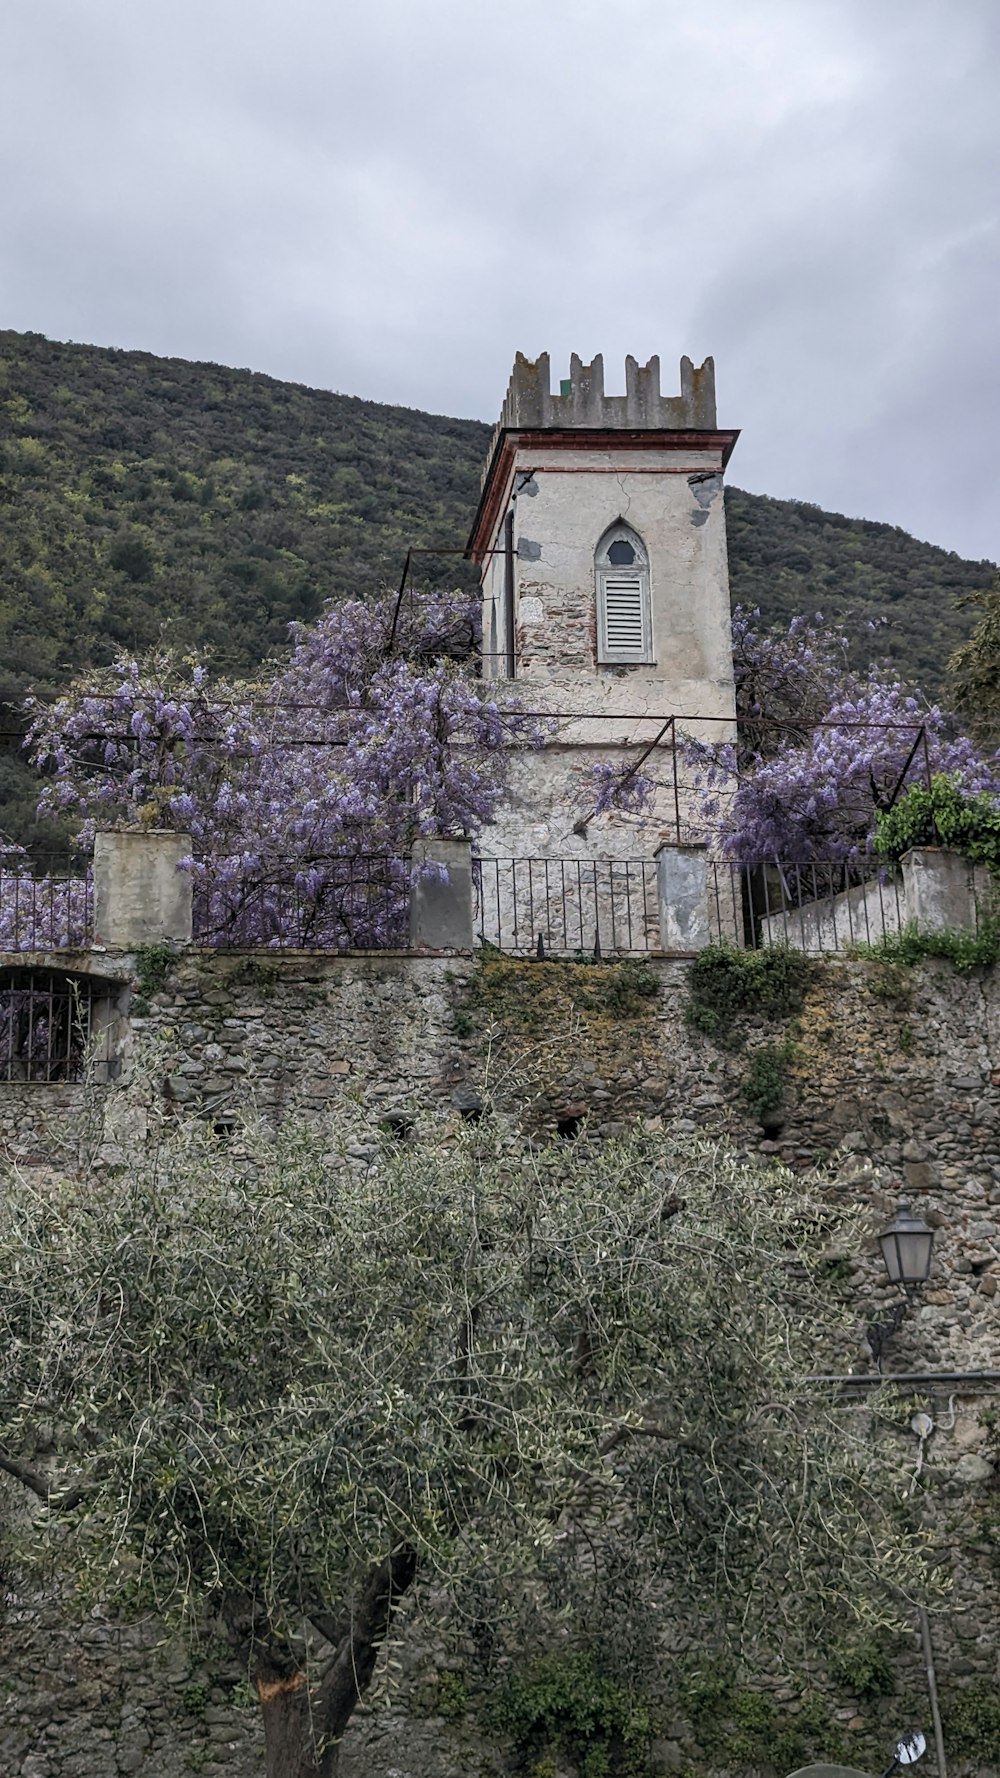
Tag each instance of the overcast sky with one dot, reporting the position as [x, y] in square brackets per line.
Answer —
[389, 197]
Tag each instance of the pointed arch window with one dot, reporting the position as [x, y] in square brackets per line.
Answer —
[624, 624]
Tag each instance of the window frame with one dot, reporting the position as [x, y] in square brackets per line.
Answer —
[605, 572]
[57, 1027]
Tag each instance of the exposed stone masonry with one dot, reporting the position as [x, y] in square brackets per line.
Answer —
[895, 1081]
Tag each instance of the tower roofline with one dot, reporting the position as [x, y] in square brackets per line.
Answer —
[582, 402]
[507, 441]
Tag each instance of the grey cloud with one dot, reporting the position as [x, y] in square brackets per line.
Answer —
[391, 200]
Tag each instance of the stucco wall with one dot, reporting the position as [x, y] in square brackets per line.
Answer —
[675, 502]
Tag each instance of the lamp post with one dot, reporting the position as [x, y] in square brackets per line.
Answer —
[907, 1244]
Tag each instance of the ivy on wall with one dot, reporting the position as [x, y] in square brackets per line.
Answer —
[727, 988]
[726, 983]
[941, 815]
[533, 996]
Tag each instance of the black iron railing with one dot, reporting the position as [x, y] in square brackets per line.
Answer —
[821, 907]
[567, 906]
[559, 907]
[329, 904]
[46, 905]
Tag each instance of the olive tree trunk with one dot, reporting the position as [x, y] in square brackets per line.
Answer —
[305, 1713]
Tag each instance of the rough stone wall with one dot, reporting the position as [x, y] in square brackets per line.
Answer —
[894, 1080]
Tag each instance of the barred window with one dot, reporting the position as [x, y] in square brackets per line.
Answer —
[624, 627]
[53, 1026]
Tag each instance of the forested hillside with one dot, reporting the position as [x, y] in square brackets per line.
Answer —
[146, 499]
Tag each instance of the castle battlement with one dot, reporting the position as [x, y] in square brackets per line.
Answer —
[581, 401]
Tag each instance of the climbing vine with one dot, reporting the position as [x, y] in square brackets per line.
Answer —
[532, 995]
[942, 815]
[153, 964]
[963, 950]
[766, 1082]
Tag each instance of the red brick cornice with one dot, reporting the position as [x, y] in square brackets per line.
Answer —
[510, 440]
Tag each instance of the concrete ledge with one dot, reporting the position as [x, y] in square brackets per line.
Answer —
[682, 890]
[940, 893]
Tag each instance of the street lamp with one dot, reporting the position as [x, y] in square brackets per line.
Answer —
[907, 1243]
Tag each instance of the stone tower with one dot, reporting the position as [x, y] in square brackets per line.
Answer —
[601, 537]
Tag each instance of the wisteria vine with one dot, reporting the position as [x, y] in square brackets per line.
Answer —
[820, 751]
[368, 737]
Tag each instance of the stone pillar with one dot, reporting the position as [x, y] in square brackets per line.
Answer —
[140, 896]
[682, 882]
[938, 889]
[441, 896]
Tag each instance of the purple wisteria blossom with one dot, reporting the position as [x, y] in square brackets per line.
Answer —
[40, 912]
[820, 750]
[620, 788]
[303, 793]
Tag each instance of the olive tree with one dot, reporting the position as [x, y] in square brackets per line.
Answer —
[275, 1387]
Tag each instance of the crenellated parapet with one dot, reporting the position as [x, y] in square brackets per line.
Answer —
[582, 417]
[581, 401]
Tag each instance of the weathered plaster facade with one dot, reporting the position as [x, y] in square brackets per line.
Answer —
[562, 470]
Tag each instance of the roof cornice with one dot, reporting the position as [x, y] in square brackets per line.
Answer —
[510, 440]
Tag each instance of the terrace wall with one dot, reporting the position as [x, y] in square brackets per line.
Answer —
[895, 1084]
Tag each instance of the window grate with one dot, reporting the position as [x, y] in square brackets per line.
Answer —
[45, 1027]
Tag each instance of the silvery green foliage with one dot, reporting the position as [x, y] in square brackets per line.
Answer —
[270, 1367]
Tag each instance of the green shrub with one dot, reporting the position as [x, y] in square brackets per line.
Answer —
[627, 986]
[963, 950]
[452, 1696]
[888, 982]
[702, 1692]
[737, 1726]
[942, 815]
[864, 1670]
[153, 964]
[133, 557]
[971, 1720]
[725, 983]
[565, 1704]
[534, 995]
[767, 1078]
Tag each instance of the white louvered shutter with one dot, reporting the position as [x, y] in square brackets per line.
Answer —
[624, 625]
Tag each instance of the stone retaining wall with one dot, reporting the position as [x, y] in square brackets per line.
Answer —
[894, 1080]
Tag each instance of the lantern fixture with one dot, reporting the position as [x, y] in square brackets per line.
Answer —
[907, 1244]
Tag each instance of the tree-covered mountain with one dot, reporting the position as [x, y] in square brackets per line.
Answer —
[146, 499]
